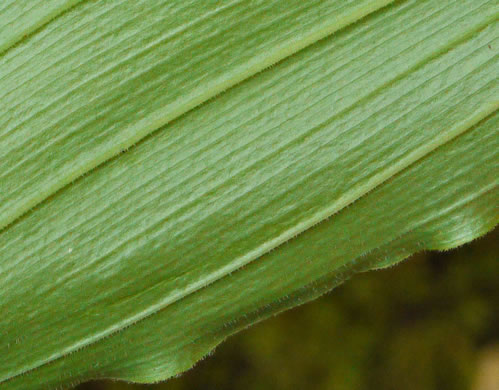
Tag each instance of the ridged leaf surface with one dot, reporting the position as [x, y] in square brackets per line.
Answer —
[374, 135]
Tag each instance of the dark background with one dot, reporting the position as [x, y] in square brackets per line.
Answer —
[429, 323]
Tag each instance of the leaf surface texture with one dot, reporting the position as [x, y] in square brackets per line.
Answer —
[350, 153]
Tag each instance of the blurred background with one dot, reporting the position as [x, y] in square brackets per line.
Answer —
[429, 323]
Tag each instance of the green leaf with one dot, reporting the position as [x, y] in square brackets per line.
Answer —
[99, 78]
[349, 154]
[20, 18]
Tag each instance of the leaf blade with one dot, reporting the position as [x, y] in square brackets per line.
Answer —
[330, 135]
[145, 366]
[20, 18]
[107, 90]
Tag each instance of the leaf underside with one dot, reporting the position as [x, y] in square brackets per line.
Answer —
[373, 135]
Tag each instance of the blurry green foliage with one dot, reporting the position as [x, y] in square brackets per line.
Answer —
[417, 326]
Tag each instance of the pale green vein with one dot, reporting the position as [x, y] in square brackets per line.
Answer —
[317, 84]
[472, 56]
[308, 288]
[276, 166]
[367, 259]
[346, 199]
[17, 22]
[156, 119]
[179, 206]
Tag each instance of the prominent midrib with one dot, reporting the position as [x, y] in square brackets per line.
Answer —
[161, 117]
[348, 198]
